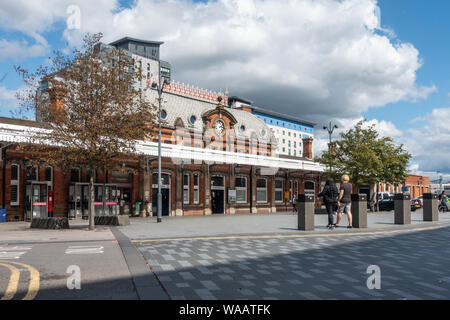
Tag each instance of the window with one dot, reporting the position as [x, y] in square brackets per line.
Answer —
[241, 190]
[186, 189]
[295, 144]
[74, 175]
[49, 174]
[289, 143]
[163, 114]
[284, 149]
[242, 128]
[289, 133]
[196, 189]
[91, 173]
[295, 153]
[295, 135]
[284, 141]
[278, 191]
[32, 173]
[14, 185]
[283, 133]
[192, 119]
[261, 191]
[289, 151]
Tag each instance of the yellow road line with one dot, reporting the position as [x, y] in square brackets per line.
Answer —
[279, 236]
[13, 282]
[33, 287]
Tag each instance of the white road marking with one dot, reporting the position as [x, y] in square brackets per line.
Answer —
[13, 252]
[84, 249]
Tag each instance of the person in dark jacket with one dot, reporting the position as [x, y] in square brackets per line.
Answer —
[330, 197]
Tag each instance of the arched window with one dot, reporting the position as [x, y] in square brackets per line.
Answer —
[75, 175]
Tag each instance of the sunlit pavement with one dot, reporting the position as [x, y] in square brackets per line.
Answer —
[228, 257]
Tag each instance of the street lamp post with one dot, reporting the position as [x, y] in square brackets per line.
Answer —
[160, 91]
[330, 130]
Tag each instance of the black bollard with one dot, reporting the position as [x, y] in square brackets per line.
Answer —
[305, 212]
[402, 208]
[359, 210]
[430, 207]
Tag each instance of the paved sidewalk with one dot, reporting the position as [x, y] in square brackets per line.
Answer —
[261, 224]
[20, 232]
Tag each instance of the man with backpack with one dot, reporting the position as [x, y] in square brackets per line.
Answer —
[330, 197]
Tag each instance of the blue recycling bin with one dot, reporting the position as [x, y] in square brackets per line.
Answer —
[2, 215]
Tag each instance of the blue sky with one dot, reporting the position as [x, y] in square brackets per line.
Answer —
[425, 24]
[318, 60]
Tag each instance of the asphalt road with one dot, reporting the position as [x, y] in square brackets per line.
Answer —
[44, 270]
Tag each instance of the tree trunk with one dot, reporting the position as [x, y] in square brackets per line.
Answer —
[377, 195]
[91, 204]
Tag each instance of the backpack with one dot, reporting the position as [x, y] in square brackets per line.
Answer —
[331, 194]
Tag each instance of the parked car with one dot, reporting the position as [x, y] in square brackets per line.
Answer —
[417, 202]
[387, 204]
[420, 199]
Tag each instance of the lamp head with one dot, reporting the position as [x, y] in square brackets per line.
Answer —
[154, 85]
[335, 126]
[325, 128]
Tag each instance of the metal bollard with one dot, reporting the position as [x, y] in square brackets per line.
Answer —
[430, 207]
[402, 208]
[305, 212]
[359, 210]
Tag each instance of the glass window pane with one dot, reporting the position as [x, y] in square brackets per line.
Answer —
[14, 172]
[14, 193]
[48, 174]
[240, 182]
[186, 180]
[278, 184]
[241, 195]
[261, 183]
[186, 196]
[217, 181]
[196, 196]
[74, 175]
[261, 196]
[278, 195]
[196, 180]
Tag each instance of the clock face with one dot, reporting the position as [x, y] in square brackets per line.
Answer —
[220, 127]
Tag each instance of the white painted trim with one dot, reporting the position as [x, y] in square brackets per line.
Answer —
[179, 153]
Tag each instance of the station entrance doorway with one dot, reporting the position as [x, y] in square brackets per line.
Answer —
[218, 195]
[165, 194]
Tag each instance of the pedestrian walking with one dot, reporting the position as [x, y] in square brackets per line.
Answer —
[330, 197]
[345, 201]
[294, 203]
[443, 202]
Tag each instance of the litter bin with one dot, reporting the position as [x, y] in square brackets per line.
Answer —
[138, 209]
[2, 215]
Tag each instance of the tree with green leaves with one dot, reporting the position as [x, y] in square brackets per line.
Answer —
[366, 157]
[92, 106]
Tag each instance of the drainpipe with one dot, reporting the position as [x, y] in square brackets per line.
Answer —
[251, 189]
[3, 175]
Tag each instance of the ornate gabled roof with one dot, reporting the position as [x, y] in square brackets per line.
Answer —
[182, 107]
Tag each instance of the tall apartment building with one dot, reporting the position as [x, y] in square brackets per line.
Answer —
[290, 132]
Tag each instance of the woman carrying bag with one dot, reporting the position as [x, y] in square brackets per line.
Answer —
[330, 196]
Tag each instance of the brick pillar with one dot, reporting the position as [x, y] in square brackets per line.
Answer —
[178, 191]
[207, 183]
[273, 207]
[253, 186]
[232, 186]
